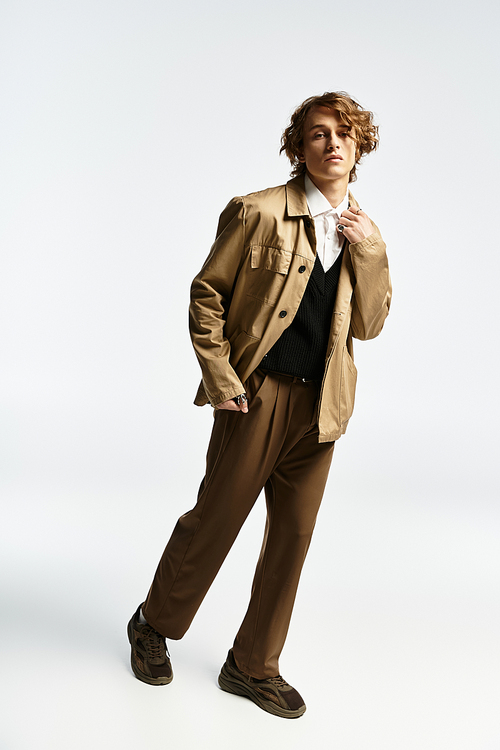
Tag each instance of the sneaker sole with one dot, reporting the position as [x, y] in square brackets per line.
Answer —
[231, 685]
[141, 675]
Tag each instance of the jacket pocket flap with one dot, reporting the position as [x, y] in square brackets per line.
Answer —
[270, 258]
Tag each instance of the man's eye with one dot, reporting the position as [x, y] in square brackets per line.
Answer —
[319, 135]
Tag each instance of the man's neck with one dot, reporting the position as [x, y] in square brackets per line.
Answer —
[333, 190]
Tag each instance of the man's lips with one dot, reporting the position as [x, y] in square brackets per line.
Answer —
[335, 157]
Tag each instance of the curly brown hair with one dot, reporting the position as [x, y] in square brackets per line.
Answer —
[360, 121]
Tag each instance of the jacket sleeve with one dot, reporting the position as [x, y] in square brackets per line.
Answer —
[372, 290]
[211, 293]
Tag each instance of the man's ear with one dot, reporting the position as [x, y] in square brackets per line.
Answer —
[301, 157]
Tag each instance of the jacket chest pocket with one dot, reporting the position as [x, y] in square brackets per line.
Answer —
[268, 271]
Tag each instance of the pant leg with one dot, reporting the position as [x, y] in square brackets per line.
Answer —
[241, 455]
[293, 494]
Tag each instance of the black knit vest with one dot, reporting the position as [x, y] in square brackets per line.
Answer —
[301, 348]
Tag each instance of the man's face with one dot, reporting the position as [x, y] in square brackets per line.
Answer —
[328, 151]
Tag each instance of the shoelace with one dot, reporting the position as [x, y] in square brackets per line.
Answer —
[154, 643]
[279, 681]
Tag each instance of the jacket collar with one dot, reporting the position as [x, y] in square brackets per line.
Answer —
[296, 201]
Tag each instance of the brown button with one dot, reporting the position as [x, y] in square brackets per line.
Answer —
[308, 223]
[302, 269]
[283, 314]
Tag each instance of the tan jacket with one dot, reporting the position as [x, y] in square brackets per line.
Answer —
[250, 288]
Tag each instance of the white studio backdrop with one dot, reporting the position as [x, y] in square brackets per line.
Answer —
[126, 128]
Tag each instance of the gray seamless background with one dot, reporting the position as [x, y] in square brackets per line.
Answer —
[127, 127]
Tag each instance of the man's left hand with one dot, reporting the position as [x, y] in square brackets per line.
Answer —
[356, 225]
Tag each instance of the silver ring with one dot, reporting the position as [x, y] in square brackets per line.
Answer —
[359, 209]
[241, 399]
[341, 228]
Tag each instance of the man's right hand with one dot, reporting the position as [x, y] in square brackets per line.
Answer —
[231, 405]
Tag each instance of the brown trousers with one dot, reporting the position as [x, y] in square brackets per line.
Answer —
[275, 446]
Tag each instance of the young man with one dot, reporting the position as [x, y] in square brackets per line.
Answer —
[294, 274]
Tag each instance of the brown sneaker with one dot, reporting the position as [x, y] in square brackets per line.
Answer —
[274, 695]
[150, 659]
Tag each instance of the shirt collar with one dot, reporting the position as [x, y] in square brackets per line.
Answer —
[317, 202]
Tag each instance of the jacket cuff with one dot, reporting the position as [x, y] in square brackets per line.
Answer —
[220, 397]
[373, 242]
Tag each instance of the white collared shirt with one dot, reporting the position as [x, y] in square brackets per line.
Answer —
[328, 241]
